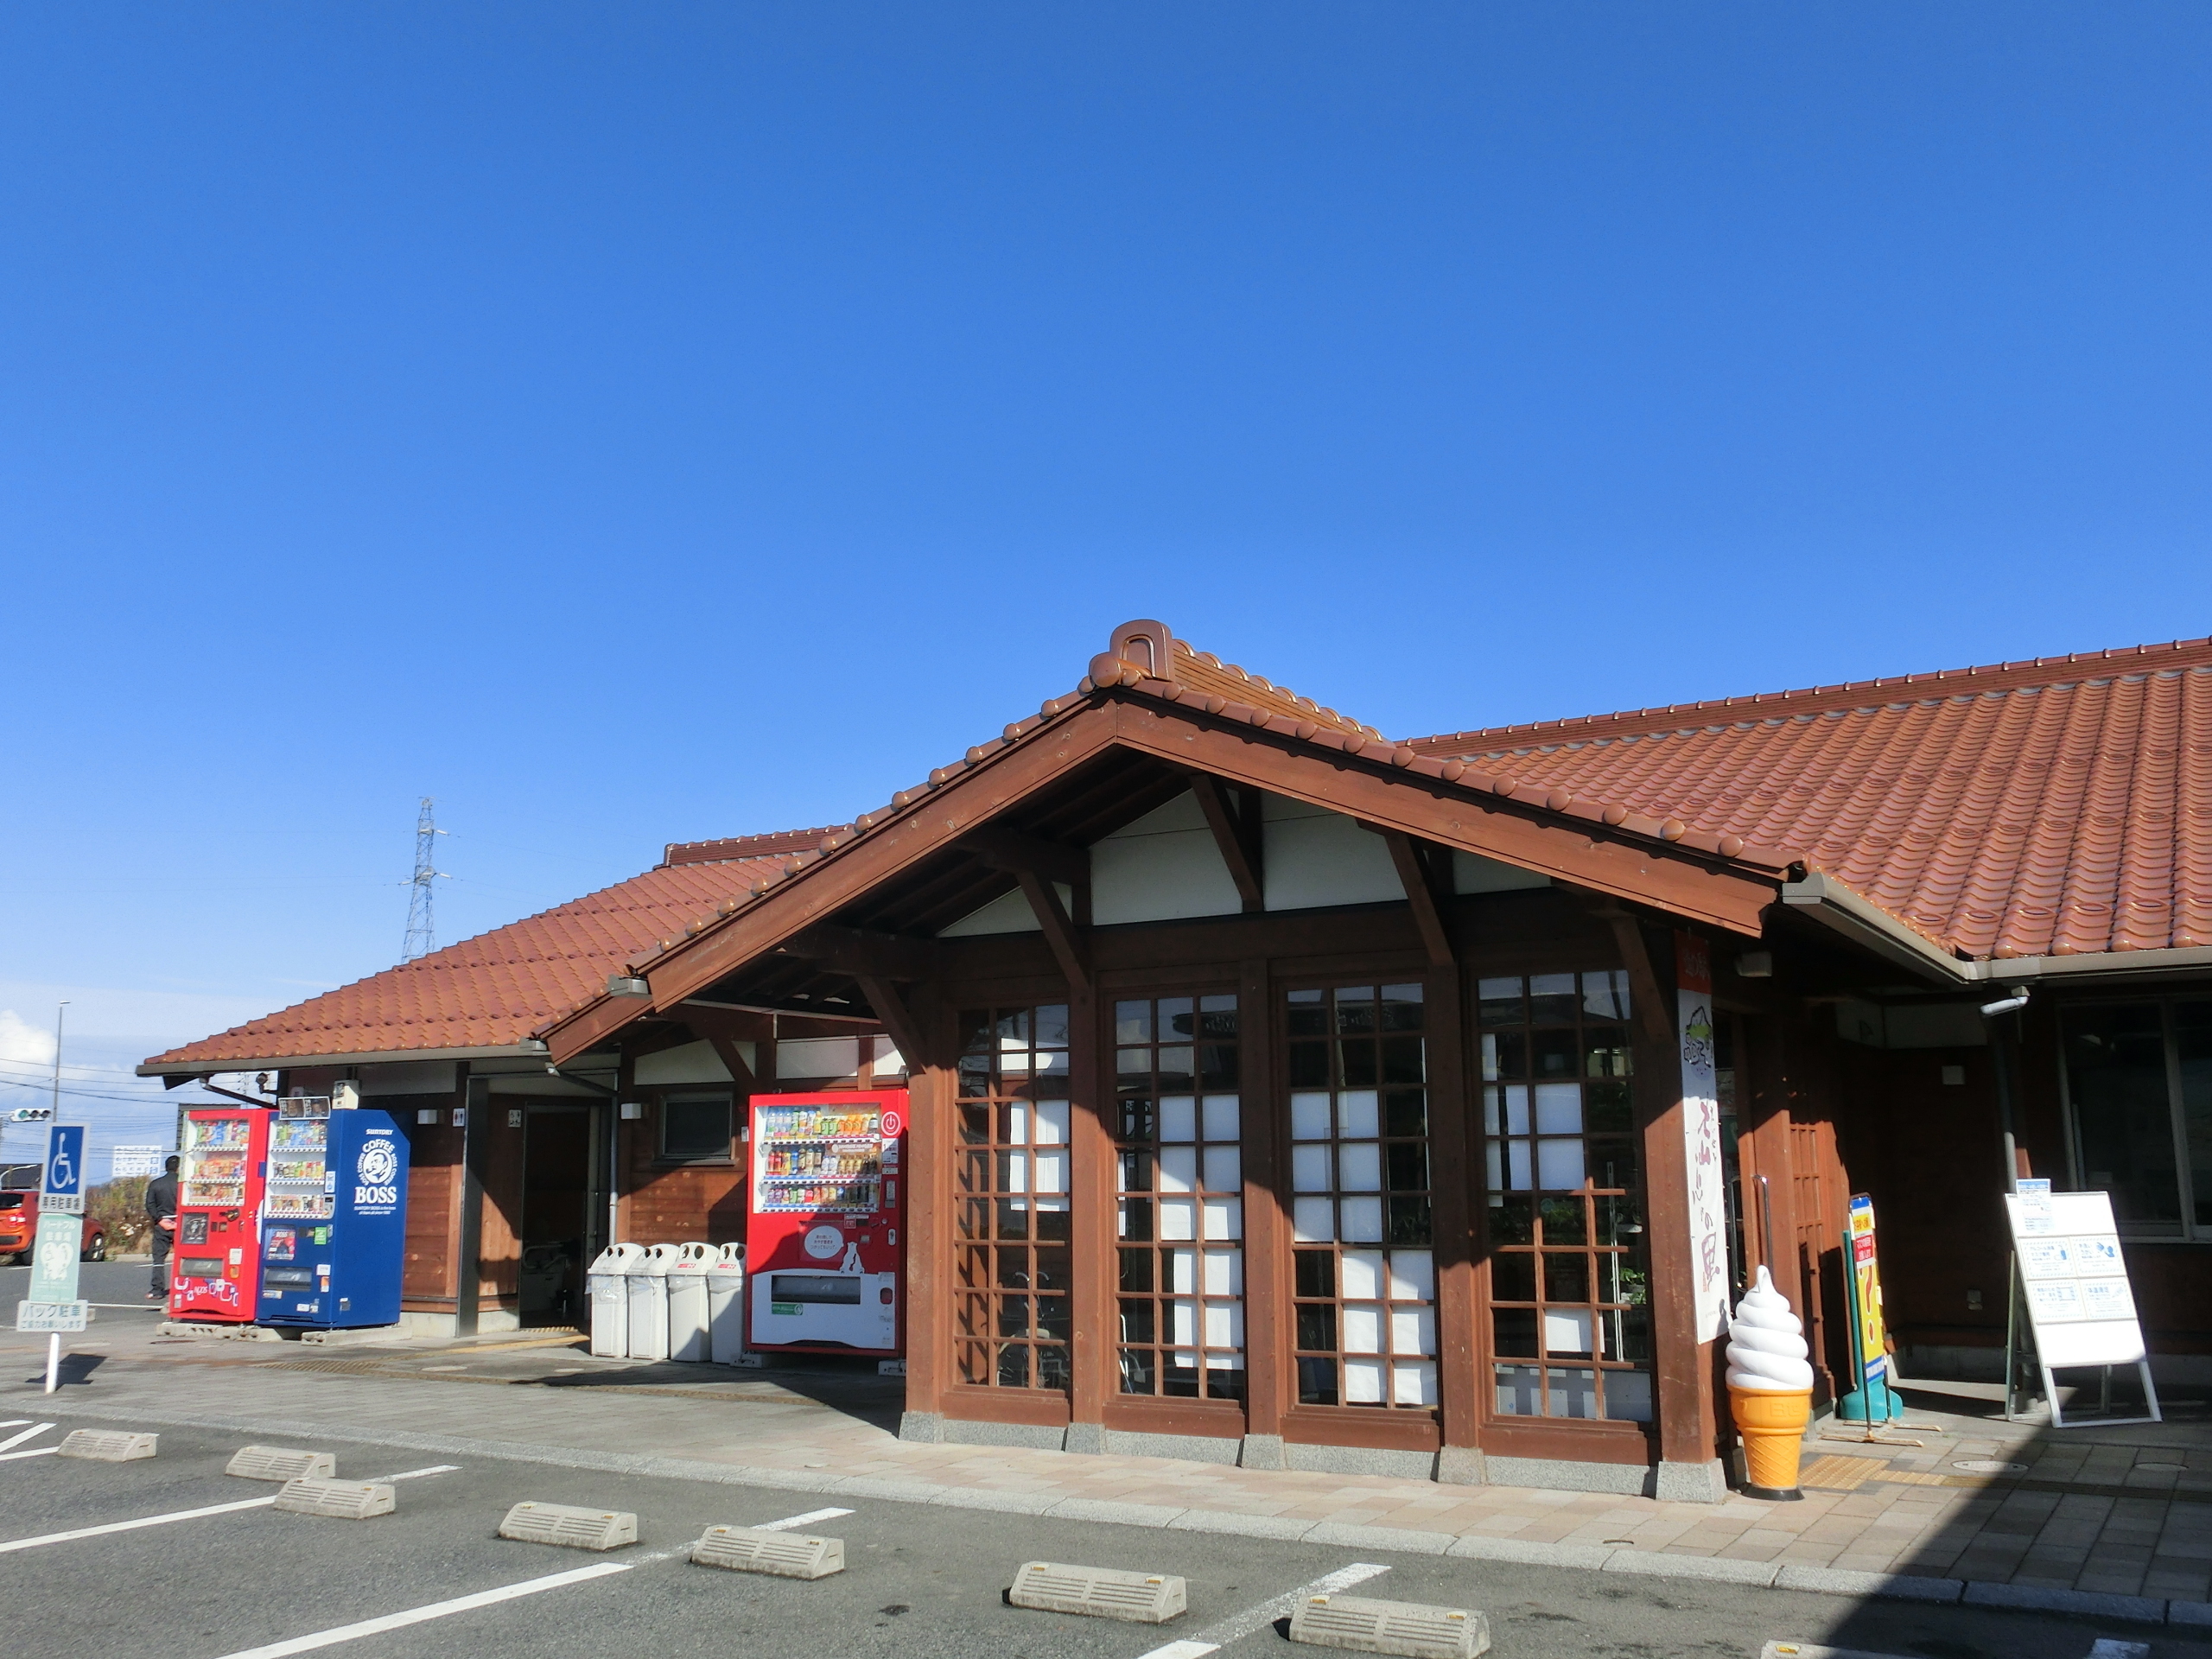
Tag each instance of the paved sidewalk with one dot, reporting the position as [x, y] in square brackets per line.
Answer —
[2120, 1515]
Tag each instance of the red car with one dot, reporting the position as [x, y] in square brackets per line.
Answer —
[19, 1217]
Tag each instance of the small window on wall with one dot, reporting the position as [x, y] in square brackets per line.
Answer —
[2139, 1090]
[696, 1129]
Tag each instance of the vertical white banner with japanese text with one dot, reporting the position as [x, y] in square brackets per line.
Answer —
[1708, 1185]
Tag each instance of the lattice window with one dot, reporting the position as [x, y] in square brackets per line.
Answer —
[1364, 1275]
[1569, 1265]
[1180, 1211]
[1011, 1232]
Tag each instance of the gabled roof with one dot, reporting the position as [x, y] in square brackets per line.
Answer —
[494, 990]
[2052, 807]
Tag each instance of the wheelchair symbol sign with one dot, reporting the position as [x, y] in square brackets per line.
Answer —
[65, 1160]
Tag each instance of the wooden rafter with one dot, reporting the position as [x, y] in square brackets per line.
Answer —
[848, 950]
[1234, 838]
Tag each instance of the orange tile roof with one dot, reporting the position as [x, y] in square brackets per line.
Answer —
[494, 990]
[2043, 807]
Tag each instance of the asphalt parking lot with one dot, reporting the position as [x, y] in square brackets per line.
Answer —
[921, 1581]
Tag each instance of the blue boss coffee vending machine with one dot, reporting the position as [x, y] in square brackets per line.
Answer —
[333, 1217]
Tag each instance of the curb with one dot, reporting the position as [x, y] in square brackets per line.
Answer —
[1712, 1569]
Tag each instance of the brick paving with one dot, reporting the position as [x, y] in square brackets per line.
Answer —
[2119, 1511]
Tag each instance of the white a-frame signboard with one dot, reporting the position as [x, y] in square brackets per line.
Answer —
[2076, 1286]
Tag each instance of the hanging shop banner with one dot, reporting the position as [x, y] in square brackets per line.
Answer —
[1874, 1336]
[1708, 1184]
[2076, 1284]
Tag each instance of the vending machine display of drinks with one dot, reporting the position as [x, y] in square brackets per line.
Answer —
[333, 1227]
[822, 1250]
[219, 1192]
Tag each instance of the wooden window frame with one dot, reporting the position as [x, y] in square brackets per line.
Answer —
[996, 1143]
[1139, 1197]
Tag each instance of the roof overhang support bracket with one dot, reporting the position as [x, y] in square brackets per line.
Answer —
[1417, 874]
[1651, 1010]
[1060, 931]
[1236, 834]
[1037, 865]
[890, 1005]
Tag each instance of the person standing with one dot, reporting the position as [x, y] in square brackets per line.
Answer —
[161, 1208]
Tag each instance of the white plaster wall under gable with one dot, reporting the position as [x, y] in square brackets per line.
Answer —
[1313, 857]
[1160, 869]
[692, 1062]
[1008, 914]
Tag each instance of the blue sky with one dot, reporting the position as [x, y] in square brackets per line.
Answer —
[636, 423]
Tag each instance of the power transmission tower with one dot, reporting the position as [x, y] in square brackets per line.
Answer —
[420, 935]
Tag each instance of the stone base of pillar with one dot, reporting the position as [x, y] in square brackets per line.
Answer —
[1690, 1482]
[1461, 1465]
[1086, 1437]
[1261, 1452]
[927, 1426]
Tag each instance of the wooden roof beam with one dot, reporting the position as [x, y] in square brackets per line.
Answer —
[1020, 855]
[848, 950]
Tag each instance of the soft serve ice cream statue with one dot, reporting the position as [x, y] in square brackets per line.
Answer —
[1770, 1388]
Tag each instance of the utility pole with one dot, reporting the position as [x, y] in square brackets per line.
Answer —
[58, 1013]
[422, 937]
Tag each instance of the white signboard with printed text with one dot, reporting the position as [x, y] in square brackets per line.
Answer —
[2073, 1283]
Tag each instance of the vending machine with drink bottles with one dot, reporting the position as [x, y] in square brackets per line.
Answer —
[225, 1161]
[333, 1231]
[822, 1255]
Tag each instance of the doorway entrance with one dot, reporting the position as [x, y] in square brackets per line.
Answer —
[556, 1231]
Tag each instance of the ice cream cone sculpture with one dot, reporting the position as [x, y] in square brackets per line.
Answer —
[1770, 1388]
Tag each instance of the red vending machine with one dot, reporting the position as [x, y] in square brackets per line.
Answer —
[823, 1258]
[216, 1271]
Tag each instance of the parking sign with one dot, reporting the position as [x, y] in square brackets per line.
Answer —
[63, 1191]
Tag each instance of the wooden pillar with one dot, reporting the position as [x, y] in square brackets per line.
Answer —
[1269, 1368]
[931, 1088]
[1091, 1250]
[1690, 1467]
[1453, 1183]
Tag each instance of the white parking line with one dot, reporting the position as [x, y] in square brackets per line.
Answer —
[435, 1610]
[186, 1514]
[36, 1452]
[14, 1422]
[792, 1522]
[1237, 1626]
[14, 1440]
[132, 1526]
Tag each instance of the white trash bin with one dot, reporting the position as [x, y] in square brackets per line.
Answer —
[648, 1287]
[688, 1309]
[726, 1305]
[608, 1284]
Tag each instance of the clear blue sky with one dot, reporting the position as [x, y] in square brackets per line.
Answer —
[637, 422]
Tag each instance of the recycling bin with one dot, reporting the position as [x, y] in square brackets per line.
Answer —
[648, 1287]
[688, 1305]
[726, 1305]
[606, 1284]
